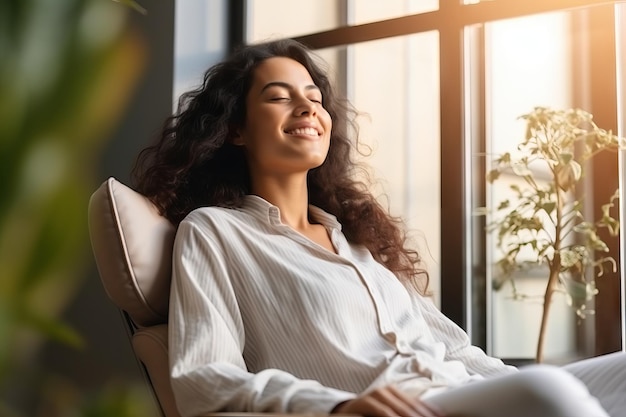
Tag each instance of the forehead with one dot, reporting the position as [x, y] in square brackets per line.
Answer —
[281, 69]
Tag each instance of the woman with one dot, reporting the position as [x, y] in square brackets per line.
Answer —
[292, 288]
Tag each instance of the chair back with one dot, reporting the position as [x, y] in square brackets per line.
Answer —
[132, 245]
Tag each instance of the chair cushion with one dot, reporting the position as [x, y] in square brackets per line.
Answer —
[132, 245]
[150, 346]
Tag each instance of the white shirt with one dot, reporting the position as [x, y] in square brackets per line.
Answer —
[263, 319]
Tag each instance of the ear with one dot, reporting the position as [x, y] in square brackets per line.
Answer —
[237, 137]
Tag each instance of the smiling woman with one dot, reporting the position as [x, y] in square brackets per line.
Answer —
[292, 288]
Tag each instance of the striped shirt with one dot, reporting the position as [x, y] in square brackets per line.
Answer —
[263, 319]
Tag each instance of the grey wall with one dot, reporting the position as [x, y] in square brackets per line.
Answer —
[107, 359]
[152, 101]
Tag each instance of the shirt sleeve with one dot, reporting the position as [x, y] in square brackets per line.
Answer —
[458, 345]
[206, 340]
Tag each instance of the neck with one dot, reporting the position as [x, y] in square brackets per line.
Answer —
[290, 195]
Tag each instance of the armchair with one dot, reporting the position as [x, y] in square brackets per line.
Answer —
[132, 246]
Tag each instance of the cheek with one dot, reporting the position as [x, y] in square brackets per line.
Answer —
[328, 121]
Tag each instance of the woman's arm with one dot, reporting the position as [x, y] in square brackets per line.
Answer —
[206, 341]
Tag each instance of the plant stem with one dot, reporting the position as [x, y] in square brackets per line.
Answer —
[555, 265]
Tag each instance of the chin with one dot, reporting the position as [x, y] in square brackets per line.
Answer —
[317, 163]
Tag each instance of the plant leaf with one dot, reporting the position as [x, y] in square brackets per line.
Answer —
[133, 5]
[492, 175]
[549, 206]
[568, 175]
[521, 170]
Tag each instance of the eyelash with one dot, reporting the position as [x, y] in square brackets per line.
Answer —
[287, 98]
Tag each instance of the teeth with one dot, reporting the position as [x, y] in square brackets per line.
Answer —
[304, 131]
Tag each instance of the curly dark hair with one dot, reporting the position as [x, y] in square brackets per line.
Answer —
[194, 162]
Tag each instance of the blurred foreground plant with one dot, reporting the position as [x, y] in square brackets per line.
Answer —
[544, 223]
[66, 71]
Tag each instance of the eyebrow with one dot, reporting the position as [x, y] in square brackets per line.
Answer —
[288, 86]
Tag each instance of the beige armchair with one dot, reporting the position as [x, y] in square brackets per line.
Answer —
[132, 246]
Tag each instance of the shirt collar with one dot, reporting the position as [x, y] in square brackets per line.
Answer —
[267, 212]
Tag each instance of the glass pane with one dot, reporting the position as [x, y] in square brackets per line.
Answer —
[335, 59]
[400, 99]
[273, 19]
[518, 84]
[370, 11]
[528, 63]
[200, 41]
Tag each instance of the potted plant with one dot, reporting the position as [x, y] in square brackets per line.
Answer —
[543, 223]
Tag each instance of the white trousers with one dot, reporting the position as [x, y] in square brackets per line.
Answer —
[593, 387]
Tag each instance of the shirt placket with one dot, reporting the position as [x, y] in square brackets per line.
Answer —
[386, 323]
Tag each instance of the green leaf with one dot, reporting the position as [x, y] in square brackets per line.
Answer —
[521, 170]
[568, 175]
[612, 225]
[566, 157]
[504, 159]
[549, 206]
[504, 204]
[492, 175]
[584, 227]
[134, 5]
[53, 328]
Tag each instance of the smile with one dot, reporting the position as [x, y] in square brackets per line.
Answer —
[308, 131]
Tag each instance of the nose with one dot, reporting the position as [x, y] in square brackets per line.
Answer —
[305, 107]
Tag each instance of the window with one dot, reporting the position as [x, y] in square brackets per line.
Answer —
[455, 79]
[548, 59]
[528, 63]
[298, 18]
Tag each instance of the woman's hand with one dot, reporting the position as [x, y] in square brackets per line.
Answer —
[386, 402]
